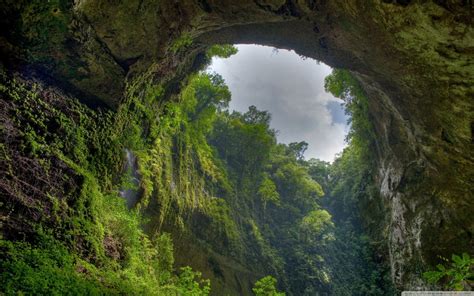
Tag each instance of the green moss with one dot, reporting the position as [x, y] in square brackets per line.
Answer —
[181, 43]
[174, 159]
[222, 222]
[44, 27]
[48, 267]
[85, 237]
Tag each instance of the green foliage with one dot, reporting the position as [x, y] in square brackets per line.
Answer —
[83, 239]
[342, 84]
[218, 50]
[268, 192]
[177, 163]
[220, 177]
[269, 179]
[181, 43]
[350, 193]
[237, 137]
[457, 276]
[266, 286]
[222, 222]
[189, 283]
[51, 268]
[348, 184]
[221, 51]
[48, 268]
[319, 171]
[316, 222]
[298, 149]
[257, 117]
[161, 258]
[202, 97]
[294, 179]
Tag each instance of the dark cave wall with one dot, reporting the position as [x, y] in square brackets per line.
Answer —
[414, 59]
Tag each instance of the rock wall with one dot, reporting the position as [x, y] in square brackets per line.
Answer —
[415, 59]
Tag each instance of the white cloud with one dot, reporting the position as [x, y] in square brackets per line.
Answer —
[292, 89]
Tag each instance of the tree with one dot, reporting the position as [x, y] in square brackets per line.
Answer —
[255, 116]
[221, 51]
[298, 149]
[319, 171]
[458, 276]
[342, 84]
[268, 192]
[243, 142]
[210, 92]
[316, 222]
[190, 283]
[266, 287]
[217, 50]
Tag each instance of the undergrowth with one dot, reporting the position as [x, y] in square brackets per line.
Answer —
[77, 235]
[62, 168]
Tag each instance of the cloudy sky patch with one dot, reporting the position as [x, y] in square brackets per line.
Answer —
[292, 89]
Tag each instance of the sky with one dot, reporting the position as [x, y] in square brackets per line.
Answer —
[291, 88]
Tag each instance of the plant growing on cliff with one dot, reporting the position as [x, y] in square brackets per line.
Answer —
[221, 51]
[457, 276]
[266, 287]
[78, 236]
[190, 283]
[181, 43]
[316, 223]
[342, 84]
[268, 192]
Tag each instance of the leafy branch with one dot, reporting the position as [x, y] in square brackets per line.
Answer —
[457, 276]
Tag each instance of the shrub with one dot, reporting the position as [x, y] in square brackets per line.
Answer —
[266, 287]
[457, 276]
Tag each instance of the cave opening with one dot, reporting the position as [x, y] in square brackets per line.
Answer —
[291, 88]
[287, 200]
[235, 217]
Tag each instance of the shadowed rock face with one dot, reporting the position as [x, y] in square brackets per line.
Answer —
[415, 60]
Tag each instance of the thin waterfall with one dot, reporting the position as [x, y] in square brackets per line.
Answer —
[130, 190]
